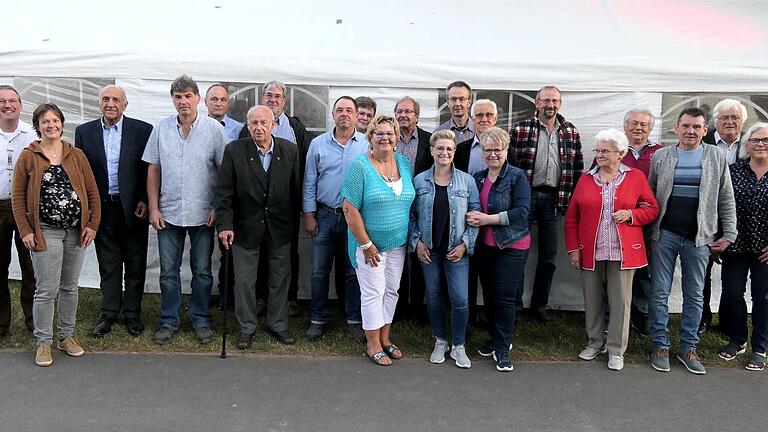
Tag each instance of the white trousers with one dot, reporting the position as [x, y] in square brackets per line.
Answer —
[378, 286]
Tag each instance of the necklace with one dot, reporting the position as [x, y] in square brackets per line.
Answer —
[379, 170]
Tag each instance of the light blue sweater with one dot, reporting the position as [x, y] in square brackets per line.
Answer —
[385, 214]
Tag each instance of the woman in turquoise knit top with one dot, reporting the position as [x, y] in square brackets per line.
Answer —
[378, 193]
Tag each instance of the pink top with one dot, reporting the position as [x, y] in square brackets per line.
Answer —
[486, 233]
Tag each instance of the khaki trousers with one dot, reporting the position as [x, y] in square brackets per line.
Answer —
[607, 279]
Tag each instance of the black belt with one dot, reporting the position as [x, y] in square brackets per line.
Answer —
[549, 189]
[330, 209]
[112, 198]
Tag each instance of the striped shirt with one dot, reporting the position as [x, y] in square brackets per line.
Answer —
[680, 217]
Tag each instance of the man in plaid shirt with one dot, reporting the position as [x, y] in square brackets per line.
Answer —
[548, 149]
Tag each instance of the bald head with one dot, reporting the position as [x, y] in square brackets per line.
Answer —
[112, 103]
[261, 120]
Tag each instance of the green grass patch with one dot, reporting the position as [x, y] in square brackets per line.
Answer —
[559, 340]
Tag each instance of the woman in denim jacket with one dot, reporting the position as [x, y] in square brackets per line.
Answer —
[442, 241]
[503, 242]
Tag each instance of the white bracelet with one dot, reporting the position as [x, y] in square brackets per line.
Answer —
[366, 246]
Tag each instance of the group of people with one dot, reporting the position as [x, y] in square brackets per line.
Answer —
[393, 207]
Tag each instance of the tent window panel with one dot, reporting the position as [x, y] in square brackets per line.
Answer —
[513, 106]
[673, 103]
[311, 105]
[78, 98]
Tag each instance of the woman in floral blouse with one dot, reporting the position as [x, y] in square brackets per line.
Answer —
[749, 254]
[57, 210]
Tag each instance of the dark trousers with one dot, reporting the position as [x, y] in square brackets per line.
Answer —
[735, 270]
[230, 287]
[501, 273]
[262, 286]
[412, 291]
[119, 246]
[641, 284]
[8, 233]
[544, 213]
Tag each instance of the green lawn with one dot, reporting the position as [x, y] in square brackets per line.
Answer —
[559, 340]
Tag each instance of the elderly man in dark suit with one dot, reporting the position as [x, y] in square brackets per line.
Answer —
[113, 145]
[258, 194]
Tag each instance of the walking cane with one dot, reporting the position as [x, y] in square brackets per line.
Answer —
[225, 302]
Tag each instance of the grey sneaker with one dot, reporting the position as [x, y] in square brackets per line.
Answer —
[163, 335]
[590, 353]
[660, 359]
[460, 355]
[204, 335]
[315, 332]
[438, 354]
[615, 362]
[692, 362]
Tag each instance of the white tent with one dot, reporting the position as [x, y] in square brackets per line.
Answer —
[605, 56]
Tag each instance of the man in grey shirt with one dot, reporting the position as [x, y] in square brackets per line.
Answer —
[459, 99]
[184, 153]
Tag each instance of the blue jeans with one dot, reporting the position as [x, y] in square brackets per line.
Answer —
[693, 264]
[330, 242]
[501, 274]
[170, 244]
[544, 213]
[734, 274]
[456, 274]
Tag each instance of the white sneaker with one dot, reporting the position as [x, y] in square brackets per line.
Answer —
[460, 355]
[615, 362]
[590, 353]
[438, 354]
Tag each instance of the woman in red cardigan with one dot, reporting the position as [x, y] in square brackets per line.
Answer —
[604, 238]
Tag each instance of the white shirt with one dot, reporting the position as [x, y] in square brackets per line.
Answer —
[11, 145]
[729, 150]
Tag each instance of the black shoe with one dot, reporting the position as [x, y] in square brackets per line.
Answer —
[703, 327]
[244, 341]
[284, 337]
[134, 326]
[4, 332]
[357, 332]
[540, 315]
[103, 327]
[315, 332]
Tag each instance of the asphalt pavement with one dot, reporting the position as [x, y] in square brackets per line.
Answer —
[179, 392]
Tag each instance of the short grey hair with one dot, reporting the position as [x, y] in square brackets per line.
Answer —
[615, 137]
[484, 102]
[745, 139]
[10, 87]
[442, 134]
[729, 104]
[640, 110]
[274, 84]
[494, 135]
[548, 87]
[182, 83]
[416, 106]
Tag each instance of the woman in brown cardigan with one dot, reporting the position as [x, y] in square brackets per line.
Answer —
[57, 209]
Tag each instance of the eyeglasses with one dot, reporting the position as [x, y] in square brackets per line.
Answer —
[486, 115]
[643, 125]
[275, 96]
[458, 99]
[725, 118]
[448, 150]
[496, 151]
[405, 111]
[604, 151]
[384, 134]
[757, 141]
[550, 101]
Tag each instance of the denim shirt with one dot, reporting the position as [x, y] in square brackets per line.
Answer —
[510, 197]
[462, 197]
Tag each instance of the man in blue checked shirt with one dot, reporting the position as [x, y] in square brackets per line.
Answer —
[328, 161]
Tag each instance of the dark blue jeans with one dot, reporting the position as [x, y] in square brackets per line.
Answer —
[456, 276]
[330, 243]
[734, 276]
[501, 275]
[170, 244]
[544, 213]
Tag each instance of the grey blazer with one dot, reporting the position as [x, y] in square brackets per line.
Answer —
[717, 207]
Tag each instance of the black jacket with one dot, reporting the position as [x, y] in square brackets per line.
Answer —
[131, 171]
[461, 157]
[252, 203]
[424, 159]
[303, 138]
